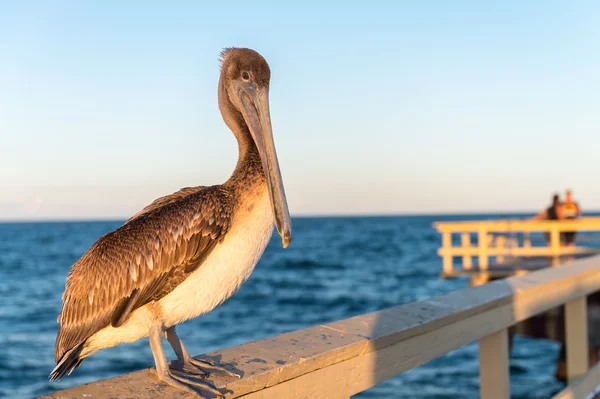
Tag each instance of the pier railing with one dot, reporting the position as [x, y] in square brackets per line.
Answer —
[503, 240]
[342, 358]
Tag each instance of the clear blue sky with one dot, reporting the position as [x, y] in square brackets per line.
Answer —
[391, 107]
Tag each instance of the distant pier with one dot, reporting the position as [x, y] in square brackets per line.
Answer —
[488, 249]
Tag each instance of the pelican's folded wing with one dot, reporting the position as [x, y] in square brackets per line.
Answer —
[142, 261]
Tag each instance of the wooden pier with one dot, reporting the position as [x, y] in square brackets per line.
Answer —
[342, 358]
[489, 249]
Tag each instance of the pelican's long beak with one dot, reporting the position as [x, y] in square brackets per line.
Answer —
[255, 108]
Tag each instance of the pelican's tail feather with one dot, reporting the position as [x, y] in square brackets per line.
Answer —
[69, 362]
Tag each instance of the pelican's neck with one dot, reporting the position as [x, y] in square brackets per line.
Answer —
[248, 171]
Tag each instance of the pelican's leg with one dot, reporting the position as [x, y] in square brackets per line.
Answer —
[162, 370]
[184, 358]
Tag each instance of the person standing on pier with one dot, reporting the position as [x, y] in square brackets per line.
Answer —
[553, 212]
[570, 211]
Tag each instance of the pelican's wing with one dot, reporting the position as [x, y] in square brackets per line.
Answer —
[140, 262]
[157, 203]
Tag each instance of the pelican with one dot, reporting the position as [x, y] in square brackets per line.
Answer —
[185, 253]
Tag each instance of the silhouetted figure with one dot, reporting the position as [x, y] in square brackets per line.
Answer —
[553, 212]
[570, 210]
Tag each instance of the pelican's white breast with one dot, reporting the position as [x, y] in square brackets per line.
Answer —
[228, 266]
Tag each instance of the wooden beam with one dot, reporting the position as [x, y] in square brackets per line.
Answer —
[358, 374]
[555, 242]
[507, 225]
[482, 242]
[518, 252]
[465, 240]
[494, 373]
[501, 245]
[576, 334]
[447, 257]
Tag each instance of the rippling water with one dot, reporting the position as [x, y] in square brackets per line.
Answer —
[334, 269]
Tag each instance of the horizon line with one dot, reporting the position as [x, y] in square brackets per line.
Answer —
[298, 216]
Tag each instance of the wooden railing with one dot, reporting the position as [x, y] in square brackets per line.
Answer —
[340, 359]
[503, 239]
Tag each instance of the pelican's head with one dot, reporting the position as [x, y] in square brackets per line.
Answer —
[245, 77]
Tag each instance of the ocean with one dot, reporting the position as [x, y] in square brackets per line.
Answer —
[335, 268]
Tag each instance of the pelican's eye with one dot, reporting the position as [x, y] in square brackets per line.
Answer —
[245, 76]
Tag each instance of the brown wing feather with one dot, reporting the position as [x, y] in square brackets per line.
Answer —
[157, 203]
[142, 261]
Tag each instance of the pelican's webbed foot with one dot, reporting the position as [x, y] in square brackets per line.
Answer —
[186, 363]
[188, 384]
[209, 367]
[184, 381]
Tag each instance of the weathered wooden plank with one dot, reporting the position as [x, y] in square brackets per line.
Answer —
[447, 259]
[576, 331]
[465, 240]
[377, 345]
[517, 252]
[365, 371]
[501, 244]
[494, 373]
[482, 250]
[520, 225]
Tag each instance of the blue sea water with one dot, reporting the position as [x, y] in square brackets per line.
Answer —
[335, 268]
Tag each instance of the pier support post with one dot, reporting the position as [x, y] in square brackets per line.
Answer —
[494, 377]
[466, 243]
[447, 257]
[576, 338]
[500, 245]
[483, 249]
[483, 260]
[555, 244]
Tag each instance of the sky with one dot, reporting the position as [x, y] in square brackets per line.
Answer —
[377, 107]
